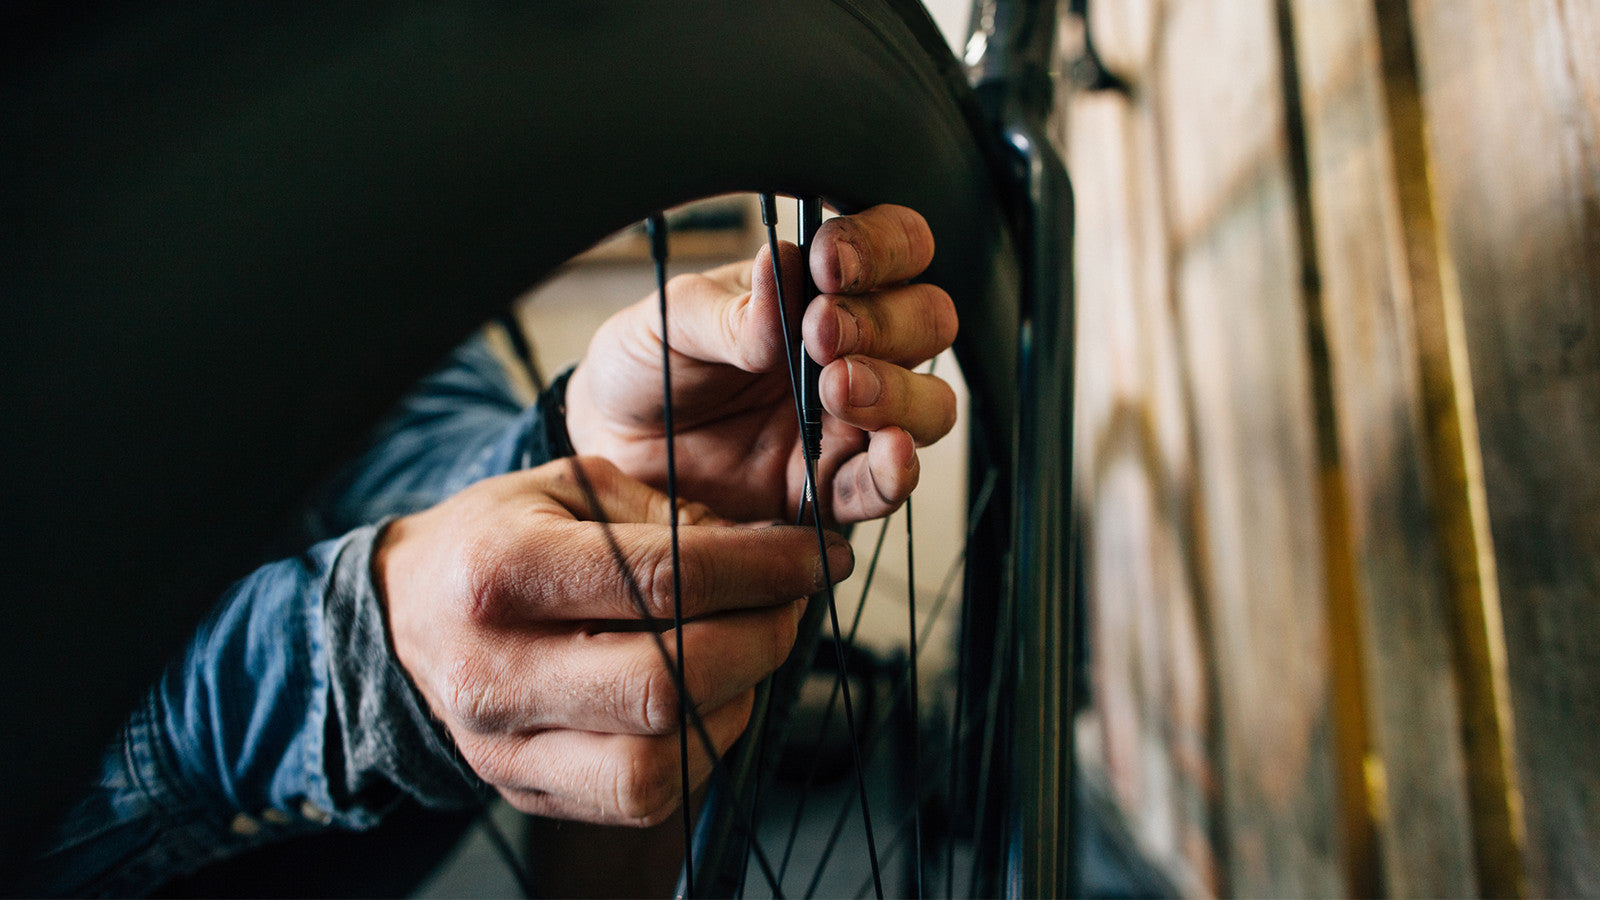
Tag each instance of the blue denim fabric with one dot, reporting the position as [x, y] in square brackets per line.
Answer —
[288, 714]
[460, 424]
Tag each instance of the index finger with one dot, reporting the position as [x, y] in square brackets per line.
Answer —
[593, 570]
[881, 246]
[566, 565]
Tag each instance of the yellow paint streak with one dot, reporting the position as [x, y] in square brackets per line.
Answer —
[1456, 474]
[1487, 603]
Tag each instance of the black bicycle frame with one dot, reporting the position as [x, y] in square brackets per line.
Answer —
[1011, 69]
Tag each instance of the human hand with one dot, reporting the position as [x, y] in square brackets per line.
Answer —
[737, 438]
[509, 611]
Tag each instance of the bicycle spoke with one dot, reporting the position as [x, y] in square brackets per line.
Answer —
[810, 220]
[656, 227]
[907, 826]
[827, 712]
[963, 658]
[769, 218]
[630, 582]
[803, 375]
[905, 703]
[880, 726]
[765, 699]
[916, 715]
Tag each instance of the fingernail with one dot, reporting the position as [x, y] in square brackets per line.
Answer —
[849, 331]
[849, 266]
[865, 385]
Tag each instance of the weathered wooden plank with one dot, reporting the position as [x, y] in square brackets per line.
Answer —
[1236, 264]
[1423, 813]
[1265, 572]
[1512, 100]
[1152, 698]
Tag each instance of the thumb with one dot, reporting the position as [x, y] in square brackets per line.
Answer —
[729, 315]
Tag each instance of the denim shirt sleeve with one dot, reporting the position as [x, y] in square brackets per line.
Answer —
[286, 715]
[288, 712]
[463, 423]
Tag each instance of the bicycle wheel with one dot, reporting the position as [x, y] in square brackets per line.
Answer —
[240, 233]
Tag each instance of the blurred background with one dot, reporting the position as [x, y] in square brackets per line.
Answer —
[1339, 390]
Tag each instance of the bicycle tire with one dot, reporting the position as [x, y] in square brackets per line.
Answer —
[234, 232]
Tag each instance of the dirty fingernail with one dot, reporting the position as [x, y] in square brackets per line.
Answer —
[849, 261]
[849, 331]
[865, 385]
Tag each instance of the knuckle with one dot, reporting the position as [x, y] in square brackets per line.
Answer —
[658, 508]
[644, 786]
[685, 513]
[693, 513]
[845, 491]
[880, 499]
[692, 580]
[484, 596]
[654, 575]
[469, 695]
[752, 345]
[663, 585]
[655, 697]
[752, 356]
